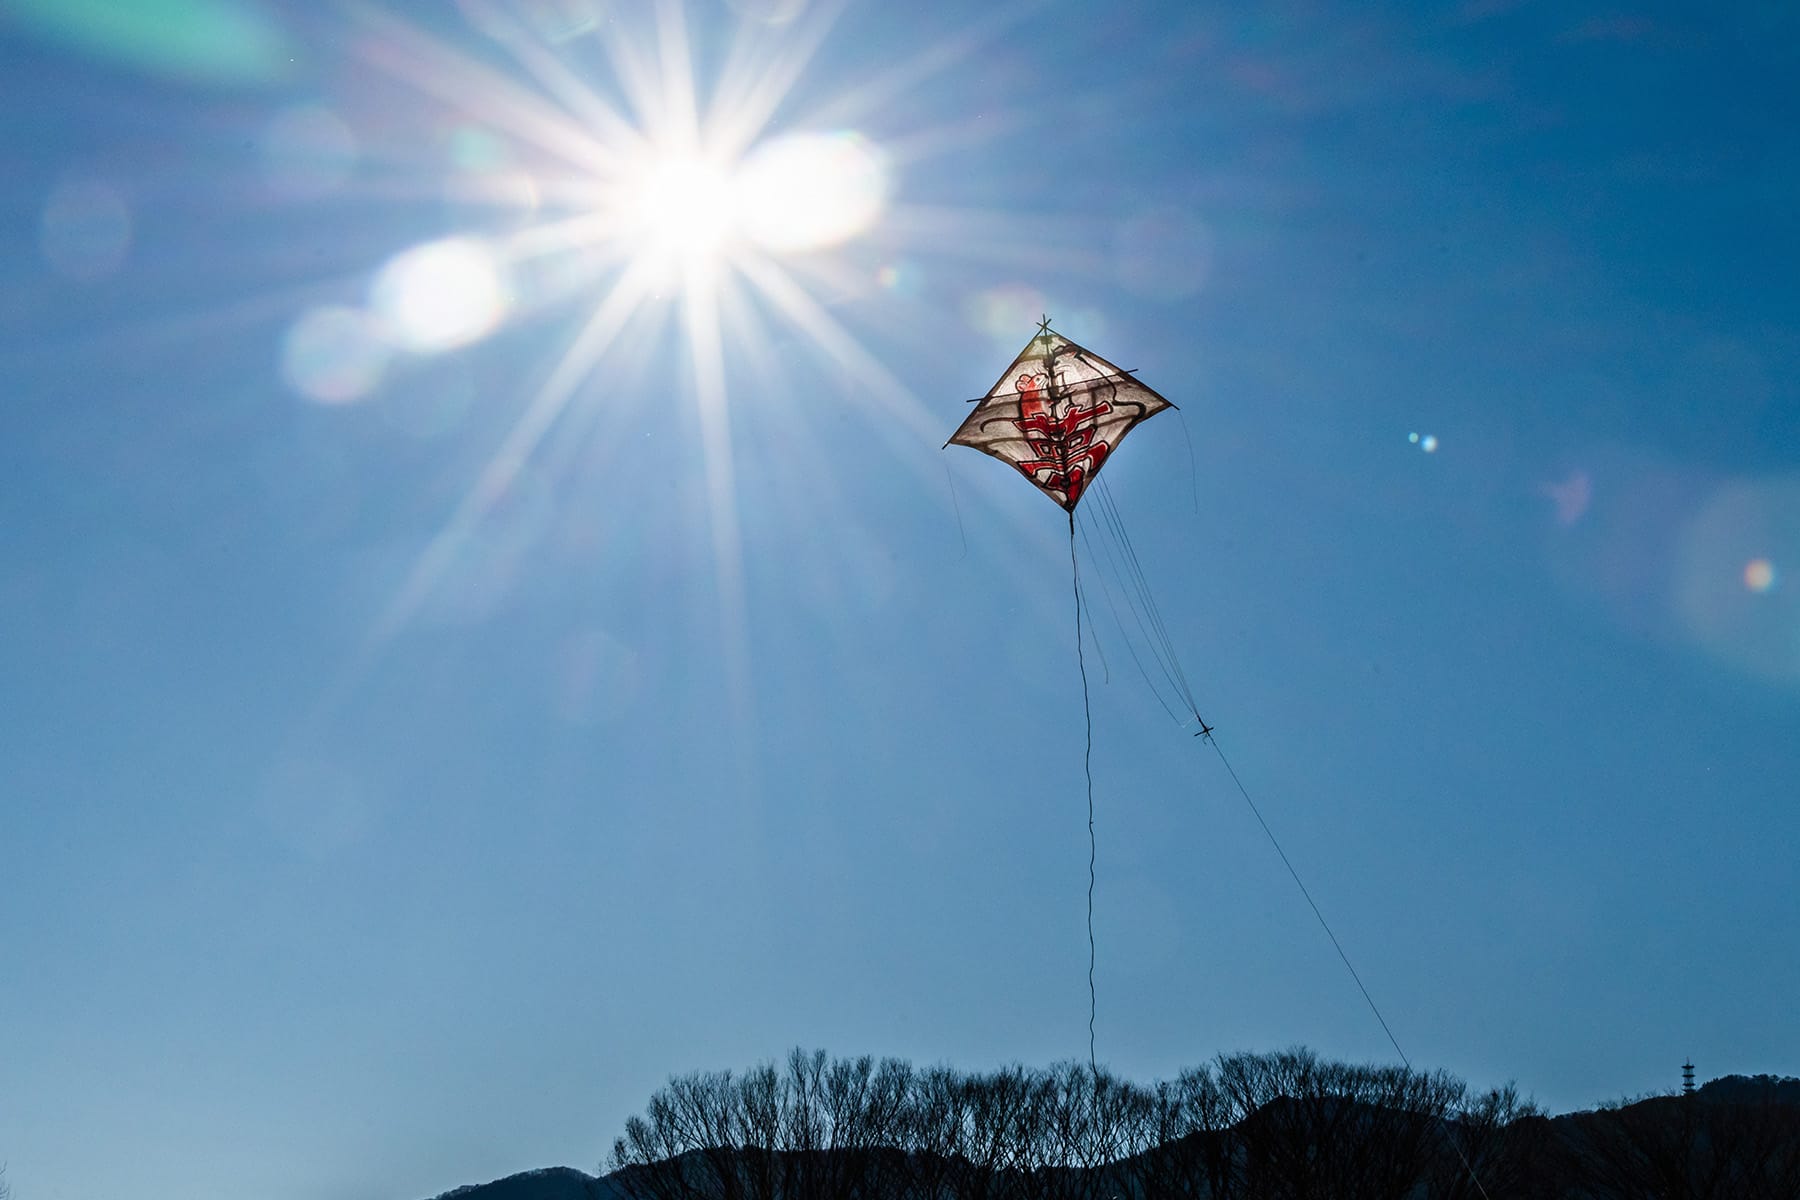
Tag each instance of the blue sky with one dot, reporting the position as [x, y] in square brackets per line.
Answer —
[470, 653]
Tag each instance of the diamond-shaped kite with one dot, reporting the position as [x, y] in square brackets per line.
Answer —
[1056, 414]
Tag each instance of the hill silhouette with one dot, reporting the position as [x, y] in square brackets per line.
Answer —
[549, 1183]
[1751, 1089]
[1287, 1125]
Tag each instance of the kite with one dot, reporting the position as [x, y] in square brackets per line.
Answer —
[1056, 414]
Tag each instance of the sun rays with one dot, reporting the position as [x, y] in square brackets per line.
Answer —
[702, 209]
[643, 200]
[652, 198]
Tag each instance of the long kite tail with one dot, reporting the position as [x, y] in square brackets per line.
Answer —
[1087, 766]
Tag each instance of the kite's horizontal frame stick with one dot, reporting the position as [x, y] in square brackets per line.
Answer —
[1062, 387]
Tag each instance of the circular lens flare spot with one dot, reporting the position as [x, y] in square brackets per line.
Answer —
[334, 355]
[1726, 585]
[476, 149]
[808, 191]
[901, 278]
[441, 295]
[1000, 312]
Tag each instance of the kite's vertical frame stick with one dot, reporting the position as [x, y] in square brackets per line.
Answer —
[1087, 766]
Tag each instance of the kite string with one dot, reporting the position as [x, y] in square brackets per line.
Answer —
[1109, 562]
[1338, 946]
[1124, 564]
[1135, 585]
[1087, 765]
[1117, 561]
[1193, 469]
[1348, 966]
[1109, 512]
[1106, 591]
[1311, 903]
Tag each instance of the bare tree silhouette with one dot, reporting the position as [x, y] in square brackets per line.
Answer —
[1282, 1126]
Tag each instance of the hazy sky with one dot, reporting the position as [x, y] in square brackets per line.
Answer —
[488, 623]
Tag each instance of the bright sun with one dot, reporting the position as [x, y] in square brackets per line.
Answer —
[684, 205]
[795, 193]
[679, 198]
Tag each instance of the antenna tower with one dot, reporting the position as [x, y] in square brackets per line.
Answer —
[1687, 1078]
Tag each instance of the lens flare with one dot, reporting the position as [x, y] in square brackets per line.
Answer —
[682, 202]
[475, 149]
[441, 295]
[1000, 311]
[231, 42]
[1727, 582]
[808, 191]
[1571, 497]
[334, 355]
